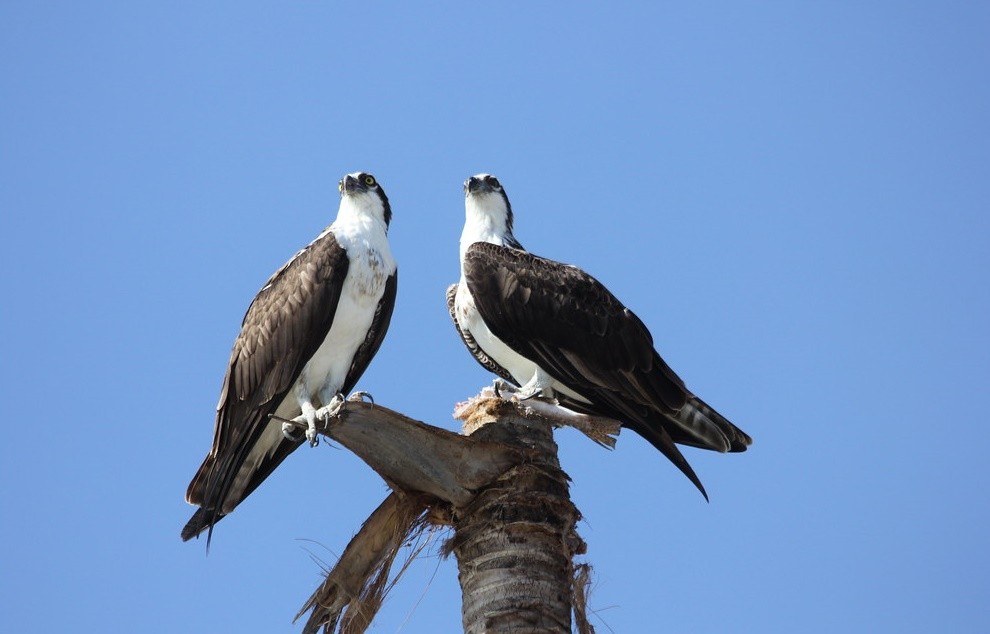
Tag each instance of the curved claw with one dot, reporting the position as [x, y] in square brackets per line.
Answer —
[360, 396]
[333, 407]
[326, 413]
[312, 437]
[541, 394]
[525, 395]
[290, 431]
[540, 387]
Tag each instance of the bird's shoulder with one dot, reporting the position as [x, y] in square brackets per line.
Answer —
[525, 279]
[293, 286]
[286, 320]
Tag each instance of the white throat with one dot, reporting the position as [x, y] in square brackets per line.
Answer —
[361, 230]
[484, 221]
[363, 212]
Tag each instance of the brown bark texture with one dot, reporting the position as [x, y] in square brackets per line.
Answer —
[501, 491]
[516, 540]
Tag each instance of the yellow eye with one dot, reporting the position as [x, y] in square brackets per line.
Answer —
[369, 180]
[340, 186]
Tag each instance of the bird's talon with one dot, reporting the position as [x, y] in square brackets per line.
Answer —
[360, 396]
[331, 410]
[336, 405]
[291, 432]
[525, 395]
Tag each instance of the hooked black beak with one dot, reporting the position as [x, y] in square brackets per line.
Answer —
[480, 183]
[350, 184]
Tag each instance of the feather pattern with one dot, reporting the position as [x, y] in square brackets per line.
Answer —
[310, 332]
[279, 333]
[570, 325]
[469, 341]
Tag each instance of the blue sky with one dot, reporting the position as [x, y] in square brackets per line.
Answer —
[793, 196]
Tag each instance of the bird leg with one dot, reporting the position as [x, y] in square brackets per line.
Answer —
[540, 386]
[310, 414]
[332, 408]
[289, 428]
[325, 413]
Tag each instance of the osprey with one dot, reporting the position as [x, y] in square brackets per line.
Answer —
[307, 337]
[556, 332]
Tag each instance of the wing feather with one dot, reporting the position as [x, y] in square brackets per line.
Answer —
[569, 321]
[570, 325]
[282, 328]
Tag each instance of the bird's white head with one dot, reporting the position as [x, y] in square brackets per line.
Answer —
[488, 214]
[362, 199]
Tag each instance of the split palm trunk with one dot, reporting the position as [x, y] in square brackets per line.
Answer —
[499, 487]
[516, 540]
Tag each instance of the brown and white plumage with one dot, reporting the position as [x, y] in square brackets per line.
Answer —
[555, 330]
[308, 335]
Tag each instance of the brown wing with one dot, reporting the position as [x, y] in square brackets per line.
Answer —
[282, 329]
[570, 325]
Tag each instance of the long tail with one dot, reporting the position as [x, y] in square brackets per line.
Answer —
[697, 424]
[201, 520]
[659, 438]
[219, 487]
[206, 516]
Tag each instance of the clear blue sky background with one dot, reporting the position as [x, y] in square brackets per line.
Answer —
[793, 196]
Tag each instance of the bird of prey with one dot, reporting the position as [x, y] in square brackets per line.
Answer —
[555, 331]
[307, 337]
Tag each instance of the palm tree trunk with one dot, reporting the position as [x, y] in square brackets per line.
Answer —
[516, 540]
[500, 488]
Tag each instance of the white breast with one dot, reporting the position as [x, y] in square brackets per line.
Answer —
[468, 318]
[371, 264]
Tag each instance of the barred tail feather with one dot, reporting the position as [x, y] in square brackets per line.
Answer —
[201, 520]
[697, 424]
